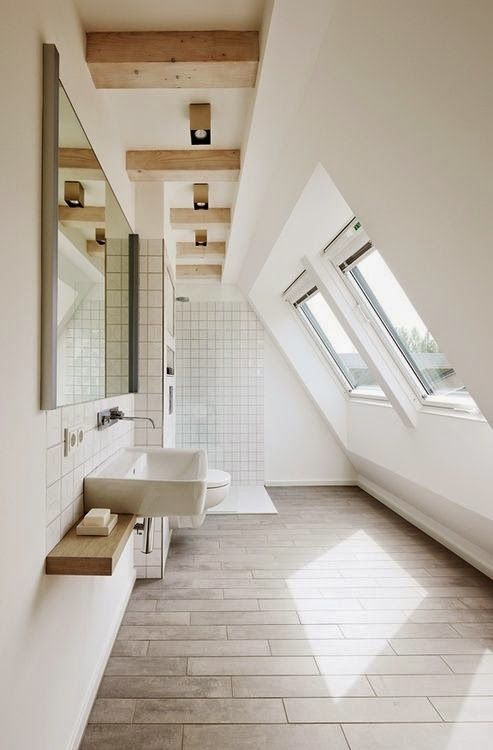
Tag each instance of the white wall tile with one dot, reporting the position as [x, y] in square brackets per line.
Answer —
[65, 474]
[53, 501]
[219, 398]
[53, 464]
[67, 485]
[53, 427]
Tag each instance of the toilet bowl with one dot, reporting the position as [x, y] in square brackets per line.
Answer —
[218, 484]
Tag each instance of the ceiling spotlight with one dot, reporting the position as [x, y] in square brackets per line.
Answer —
[73, 194]
[200, 124]
[201, 196]
[200, 238]
[101, 236]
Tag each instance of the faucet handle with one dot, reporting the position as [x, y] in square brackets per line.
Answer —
[116, 413]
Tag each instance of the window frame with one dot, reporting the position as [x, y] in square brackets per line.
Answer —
[384, 319]
[346, 263]
[329, 354]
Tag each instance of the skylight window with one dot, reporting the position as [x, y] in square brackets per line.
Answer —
[335, 342]
[398, 318]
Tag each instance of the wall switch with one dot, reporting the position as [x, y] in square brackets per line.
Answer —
[70, 440]
[80, 435]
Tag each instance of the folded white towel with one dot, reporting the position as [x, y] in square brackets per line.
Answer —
[97, 517]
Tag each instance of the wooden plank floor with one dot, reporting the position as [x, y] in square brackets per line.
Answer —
[333, 625]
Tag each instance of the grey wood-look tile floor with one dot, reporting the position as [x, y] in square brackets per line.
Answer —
[332, 625]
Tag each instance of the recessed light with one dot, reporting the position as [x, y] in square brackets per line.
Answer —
[200, 238]
[73, 194]
[101, 236]
[200, 124]
[201, 196]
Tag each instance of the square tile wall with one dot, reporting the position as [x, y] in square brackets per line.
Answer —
[220, 386]
[82, 350]
[65, 474]
[116, 278]
[149, 400]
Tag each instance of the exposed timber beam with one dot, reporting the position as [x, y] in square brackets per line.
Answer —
[172, 59]
[94, 248]
[190, 218]
[188, 165]
[198, 272]
[77, 158]
[82, 163]
[189, 250]
[89, 216]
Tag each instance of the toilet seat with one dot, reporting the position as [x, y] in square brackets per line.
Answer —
[218, 485]
[216, 478]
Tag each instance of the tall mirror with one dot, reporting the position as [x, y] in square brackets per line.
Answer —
[89, 268]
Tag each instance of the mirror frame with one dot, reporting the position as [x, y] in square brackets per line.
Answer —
[49, 245]
[49, 227]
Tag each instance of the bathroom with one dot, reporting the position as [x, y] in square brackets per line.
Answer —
[288, 485]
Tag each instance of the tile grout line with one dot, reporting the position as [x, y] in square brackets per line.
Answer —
[435, 708]
[285, 710]
[341, 725]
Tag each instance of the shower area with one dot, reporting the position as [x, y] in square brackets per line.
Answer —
[220, 391]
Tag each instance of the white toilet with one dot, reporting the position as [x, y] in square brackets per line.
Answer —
[218, 484]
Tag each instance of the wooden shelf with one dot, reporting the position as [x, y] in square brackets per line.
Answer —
[90, 555]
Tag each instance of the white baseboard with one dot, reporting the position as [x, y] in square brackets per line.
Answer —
[456, 543]
[311, 483]
[99, 671]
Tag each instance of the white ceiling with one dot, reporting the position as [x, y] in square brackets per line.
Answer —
[70, 132]
[172, 15]
[151, 118]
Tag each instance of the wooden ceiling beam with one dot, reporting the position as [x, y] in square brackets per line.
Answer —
[185, 165]
[205, 271]
[172, 59]
[81, 163]
[77, 158]
[190, 218]
[186, 250]
[82, 217]
[94, 248]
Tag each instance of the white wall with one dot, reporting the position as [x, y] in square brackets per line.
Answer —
[398, 112]
[54, 631]
[220, 386]
[402, 125]
[299, 447]
[440, 465]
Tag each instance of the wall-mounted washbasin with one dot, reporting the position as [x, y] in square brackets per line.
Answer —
[149, 482]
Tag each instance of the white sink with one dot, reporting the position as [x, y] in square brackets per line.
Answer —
[149, 482]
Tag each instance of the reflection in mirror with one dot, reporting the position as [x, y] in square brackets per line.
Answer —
[93, 265]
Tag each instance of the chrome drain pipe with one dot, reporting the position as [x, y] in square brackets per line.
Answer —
[146, 528]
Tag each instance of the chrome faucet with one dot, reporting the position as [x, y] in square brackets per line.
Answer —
[117, 413]
[110, 416]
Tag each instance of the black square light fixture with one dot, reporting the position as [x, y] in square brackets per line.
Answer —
[73, 194]
[201, 238]
[201, 196]
[200, 124]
